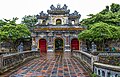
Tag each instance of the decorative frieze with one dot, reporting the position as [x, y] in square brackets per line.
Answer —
[58, 29]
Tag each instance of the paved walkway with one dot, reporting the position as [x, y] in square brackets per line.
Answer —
[52, 65]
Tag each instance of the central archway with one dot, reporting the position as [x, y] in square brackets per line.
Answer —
[59, 45]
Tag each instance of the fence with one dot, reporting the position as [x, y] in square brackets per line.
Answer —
[93, 62]
[86, 58]
[10, 61]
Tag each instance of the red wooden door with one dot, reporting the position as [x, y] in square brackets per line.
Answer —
[42, 46]
[74, 44]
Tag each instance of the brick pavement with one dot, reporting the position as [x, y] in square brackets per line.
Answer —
[52, 65]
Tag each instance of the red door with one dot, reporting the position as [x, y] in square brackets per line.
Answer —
[75, 44]
[42, 46]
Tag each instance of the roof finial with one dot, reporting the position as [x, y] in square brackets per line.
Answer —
[58, 6]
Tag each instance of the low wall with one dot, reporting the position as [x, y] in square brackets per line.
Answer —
[108, 64]
[100, 69]
[10, 61]
[86, 58]
[109, 54]
[105, 70]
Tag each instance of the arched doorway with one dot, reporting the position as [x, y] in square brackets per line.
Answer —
[43, 46]
[44, 22]
[73, 22]
[59, 47]
[75, 44]
[58, 22]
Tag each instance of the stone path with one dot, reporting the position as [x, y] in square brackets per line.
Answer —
[52, 65]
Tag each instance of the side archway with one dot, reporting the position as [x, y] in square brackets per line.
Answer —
[74, 44]
[43, 46]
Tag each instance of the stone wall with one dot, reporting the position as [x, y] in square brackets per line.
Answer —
[9, 61]
[105, 70]
[94, 63]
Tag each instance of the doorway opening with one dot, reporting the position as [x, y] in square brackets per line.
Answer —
[59, 47]
[58, 22]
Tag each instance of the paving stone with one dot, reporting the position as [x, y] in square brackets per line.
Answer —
[51, 65]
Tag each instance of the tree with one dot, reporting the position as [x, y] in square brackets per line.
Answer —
[8, 21]
[2, 23]
[30, 21]
[100, 33]
[109, 15]
[105, 11]
[115, 7]
[103, 26]
[10, 33]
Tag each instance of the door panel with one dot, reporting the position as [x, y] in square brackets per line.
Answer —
[74, 44]
[42, 46]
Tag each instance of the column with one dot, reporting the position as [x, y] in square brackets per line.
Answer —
[50, 21]
[106, 73]
[49, 40]
[101, 72]
[67, 40]
[113, 75]
[97, 71]
[34, 46]
[1, 61]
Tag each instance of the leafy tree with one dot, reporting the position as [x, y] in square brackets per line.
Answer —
[106, 15]
[8, 21]
[103, 26]
[30, 21]
[115, 7]
[106, 10]
[100, 33]
[85, 35]
[10, 32]
[93, 75]
[2, 23]
[109, 18]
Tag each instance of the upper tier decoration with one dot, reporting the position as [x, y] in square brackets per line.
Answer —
[59, 15]
[58, 9]
[42, 15]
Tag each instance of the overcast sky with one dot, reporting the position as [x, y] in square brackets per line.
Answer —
[20, 8]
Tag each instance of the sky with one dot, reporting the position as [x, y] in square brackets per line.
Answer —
[20, 8]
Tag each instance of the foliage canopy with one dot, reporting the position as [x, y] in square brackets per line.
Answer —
[100, 31]
[10, 31]
[103, 26]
